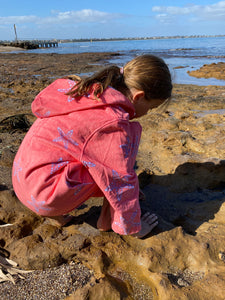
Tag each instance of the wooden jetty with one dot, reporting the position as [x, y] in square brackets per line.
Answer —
[35, 44]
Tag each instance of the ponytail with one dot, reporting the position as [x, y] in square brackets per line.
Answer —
[109, 76]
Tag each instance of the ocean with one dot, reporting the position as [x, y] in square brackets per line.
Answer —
[181, 54]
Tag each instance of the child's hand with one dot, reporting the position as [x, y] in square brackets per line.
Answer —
[148, 222]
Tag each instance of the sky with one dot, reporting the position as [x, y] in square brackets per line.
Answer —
[70, 19]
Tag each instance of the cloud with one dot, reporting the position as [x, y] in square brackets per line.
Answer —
[18, 20]
[85, 15]
[196, 12]
[68, 17]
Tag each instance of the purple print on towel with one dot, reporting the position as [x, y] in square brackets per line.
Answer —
[58, 165]
[65, 138]
[119, 184]
[17, 169]
[71, 85]
[37, 205]
[130, 148]
[88, 164]
[129, 222]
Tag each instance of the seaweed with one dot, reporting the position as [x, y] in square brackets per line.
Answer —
[14, 123]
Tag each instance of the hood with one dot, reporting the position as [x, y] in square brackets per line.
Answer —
[52, 101]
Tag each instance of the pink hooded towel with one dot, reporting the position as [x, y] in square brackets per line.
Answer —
[77, 149]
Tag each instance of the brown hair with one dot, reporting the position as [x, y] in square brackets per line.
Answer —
[146, 73]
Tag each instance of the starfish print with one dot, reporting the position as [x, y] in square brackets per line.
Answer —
[129, 147]
[47, 114]
[76, 188]
[118, 185]
[71, 85]
[65, 138]
[88, 164]
[17, 169]
[37, 205]
[128, 222]
[57, 165]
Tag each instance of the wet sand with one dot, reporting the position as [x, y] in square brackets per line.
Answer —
[9, 49]
[181, 170]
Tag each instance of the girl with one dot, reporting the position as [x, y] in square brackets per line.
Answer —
[83, 144]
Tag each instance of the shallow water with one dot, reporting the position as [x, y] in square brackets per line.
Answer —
[210, 112]
[190, 53]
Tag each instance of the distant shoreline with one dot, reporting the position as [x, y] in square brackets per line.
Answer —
[122, 38]
[137, 38]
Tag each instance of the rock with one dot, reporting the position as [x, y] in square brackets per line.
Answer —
[7, 157]
[207, 71]
[31, 253]
[181, 169]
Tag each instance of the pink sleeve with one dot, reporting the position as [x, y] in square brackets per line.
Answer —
[110, 156]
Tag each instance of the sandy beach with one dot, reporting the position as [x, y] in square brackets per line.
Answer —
[9, 49]
[181, 170]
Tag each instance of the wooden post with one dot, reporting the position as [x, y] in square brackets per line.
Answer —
[15, 33]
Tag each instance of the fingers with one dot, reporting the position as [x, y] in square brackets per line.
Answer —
[149, 218]
[153, 225]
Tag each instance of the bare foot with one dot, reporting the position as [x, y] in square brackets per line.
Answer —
[148, 222]
[104, 220]
[60, 220]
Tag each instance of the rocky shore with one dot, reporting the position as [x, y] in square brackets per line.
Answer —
[208, 71]
[181, 168]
